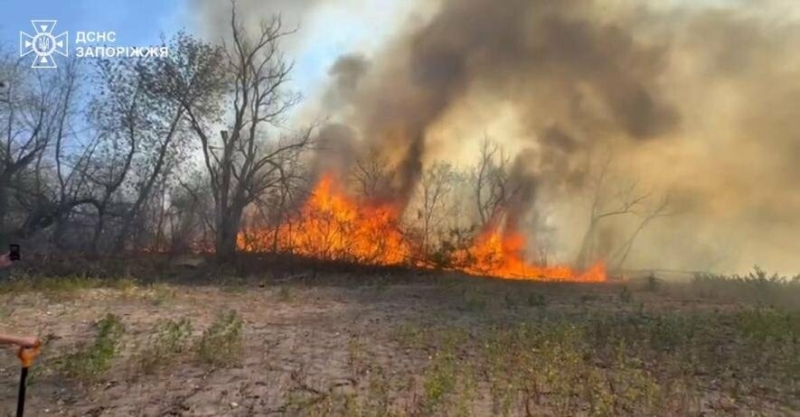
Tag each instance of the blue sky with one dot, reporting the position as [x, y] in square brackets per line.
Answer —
[136, 23]
[324, 35]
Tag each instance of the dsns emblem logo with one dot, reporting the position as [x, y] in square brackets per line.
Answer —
[43, 44]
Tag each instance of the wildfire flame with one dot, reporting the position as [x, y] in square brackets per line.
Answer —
[333, 226]
[497, 255]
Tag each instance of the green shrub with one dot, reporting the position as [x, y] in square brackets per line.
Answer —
[89, 362]
[222, 343]
[169, 339]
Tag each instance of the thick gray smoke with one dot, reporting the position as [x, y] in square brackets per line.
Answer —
[555, 60]
[702, 102]
[523, 195]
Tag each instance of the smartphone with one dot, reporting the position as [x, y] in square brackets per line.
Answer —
[13, 252]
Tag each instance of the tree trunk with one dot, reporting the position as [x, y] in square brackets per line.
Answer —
[59, 231]
[144, 194]
[227, 232]
[98, 231]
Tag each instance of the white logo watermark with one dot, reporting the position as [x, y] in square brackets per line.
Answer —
[43, 44]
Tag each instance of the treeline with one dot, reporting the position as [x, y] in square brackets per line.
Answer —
[181, 153]
[101, 156]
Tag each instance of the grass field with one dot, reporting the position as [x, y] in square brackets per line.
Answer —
[406, 344]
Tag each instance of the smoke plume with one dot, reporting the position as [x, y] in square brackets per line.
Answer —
[700, 102]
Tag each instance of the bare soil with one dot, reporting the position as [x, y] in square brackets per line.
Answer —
[314, 345]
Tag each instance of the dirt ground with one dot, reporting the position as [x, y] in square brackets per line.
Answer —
[387, 345]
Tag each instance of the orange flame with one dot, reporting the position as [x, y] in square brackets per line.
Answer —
[332, 226]
[501, 256]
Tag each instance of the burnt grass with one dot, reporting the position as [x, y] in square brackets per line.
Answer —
[285, 336]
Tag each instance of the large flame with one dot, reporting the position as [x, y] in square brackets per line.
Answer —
[333, 226]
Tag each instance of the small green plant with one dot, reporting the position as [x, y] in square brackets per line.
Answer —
[169, 339]
[222, 344]
[440, 381]
[89, 362]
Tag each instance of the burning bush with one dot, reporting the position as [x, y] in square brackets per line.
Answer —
[333, 226]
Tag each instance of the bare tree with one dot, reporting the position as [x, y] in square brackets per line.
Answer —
[241, 162]
[34, 116]
[609, 199]
[662, 209]
[491, 181]
[117, 114]
[280, 203]
[49, 189]
[436, 184]
[372, 174]
[161, 131]
[190, 215]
